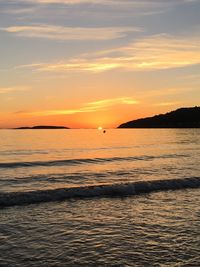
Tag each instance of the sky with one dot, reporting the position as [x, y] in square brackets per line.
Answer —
[91, 63]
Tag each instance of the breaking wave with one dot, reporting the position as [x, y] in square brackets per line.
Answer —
[105, 190]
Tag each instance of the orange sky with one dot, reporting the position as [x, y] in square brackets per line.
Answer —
[90, 63]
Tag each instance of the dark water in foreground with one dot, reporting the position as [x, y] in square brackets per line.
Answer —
[104, 218]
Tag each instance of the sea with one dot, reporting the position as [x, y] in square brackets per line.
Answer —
[126, 197]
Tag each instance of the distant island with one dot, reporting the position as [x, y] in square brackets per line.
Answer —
[41, 127]
[180, 118]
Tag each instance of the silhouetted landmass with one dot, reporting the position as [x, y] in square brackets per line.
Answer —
[41, 127]
[180, 118]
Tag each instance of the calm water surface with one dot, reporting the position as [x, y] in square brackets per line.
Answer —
[158, 229]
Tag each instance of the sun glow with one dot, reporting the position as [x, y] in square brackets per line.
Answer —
[100, 128]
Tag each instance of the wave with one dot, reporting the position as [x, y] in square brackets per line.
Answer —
[52, 163]
[103, 190]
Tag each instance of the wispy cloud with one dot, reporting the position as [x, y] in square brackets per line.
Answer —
[101, 2]
[69, 33]
[88, 107]
[108, 2]
[74, 65]
[114, 101]
[18, 11]
[6, 90]
[97, 10]
[73, 2]
[166, 104]
[135, 7]
[152, 53]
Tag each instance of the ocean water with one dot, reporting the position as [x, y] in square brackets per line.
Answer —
[129, 197]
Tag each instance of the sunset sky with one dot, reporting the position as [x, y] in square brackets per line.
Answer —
[90, 63]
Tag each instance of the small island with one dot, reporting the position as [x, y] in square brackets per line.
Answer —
[41, 127]
[180, 118]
